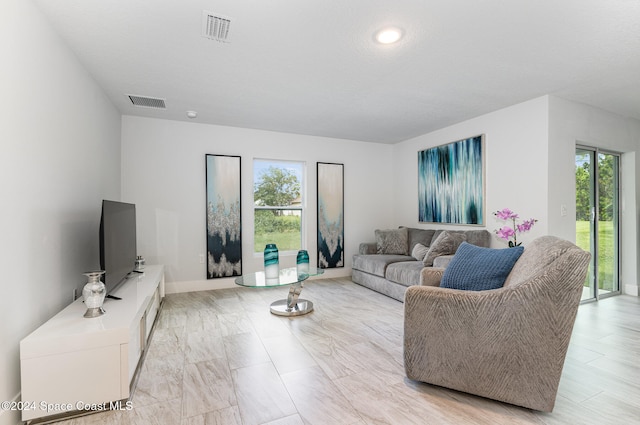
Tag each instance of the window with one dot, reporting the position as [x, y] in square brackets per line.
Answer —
[278, 194]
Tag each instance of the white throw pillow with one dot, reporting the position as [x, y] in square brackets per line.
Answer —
[419, 252]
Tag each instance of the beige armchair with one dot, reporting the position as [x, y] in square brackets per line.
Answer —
[507, 344]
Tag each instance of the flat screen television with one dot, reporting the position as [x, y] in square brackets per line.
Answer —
[117, 242]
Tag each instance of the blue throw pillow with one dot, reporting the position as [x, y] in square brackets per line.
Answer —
[477, 269]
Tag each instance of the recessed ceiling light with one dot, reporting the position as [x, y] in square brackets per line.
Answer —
[388, 35]
[192, 114]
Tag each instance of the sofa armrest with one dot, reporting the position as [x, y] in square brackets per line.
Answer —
[367, 248]
[431, 276]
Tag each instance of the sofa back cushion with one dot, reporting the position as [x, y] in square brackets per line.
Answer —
[393, 242]
[446, 243]
[419, 236]
[474, 237]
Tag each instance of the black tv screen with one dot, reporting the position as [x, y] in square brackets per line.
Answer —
[117, 242]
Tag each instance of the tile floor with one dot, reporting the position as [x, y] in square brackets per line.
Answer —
[220, 357]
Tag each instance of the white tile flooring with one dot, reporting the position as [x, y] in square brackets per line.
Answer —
[220, 357]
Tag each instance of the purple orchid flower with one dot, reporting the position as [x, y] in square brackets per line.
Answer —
[511, 232]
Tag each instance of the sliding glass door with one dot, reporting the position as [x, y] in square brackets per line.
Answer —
[597, 218]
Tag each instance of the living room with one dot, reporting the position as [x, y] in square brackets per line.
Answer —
[67, 146]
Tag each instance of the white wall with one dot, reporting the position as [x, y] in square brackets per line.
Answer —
[515, 162]
[572, 123]
[163, 173]
[530, 168]
[60, 155]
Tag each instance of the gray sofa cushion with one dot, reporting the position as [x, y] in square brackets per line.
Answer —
[395, 241]
[474, 237]
[377, 264]
[446, 243]
[406, 273]
[423, 236]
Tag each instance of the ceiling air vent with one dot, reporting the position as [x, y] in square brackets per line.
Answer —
[215, 27]
[147, 102]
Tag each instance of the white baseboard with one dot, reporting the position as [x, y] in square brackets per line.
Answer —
[198, 285]
[224, 283]
[334, 273]
[631, 290]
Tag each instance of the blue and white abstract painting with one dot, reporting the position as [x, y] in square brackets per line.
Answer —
[224, 237]
[451, 183]
[330, 215]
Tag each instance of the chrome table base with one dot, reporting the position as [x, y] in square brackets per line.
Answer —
[281, 308]
[293, 305]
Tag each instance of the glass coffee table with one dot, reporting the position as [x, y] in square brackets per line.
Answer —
[293, 305]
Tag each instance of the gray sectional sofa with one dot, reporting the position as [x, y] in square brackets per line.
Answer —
[407, 256]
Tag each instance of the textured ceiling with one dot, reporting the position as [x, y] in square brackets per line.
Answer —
[312, 67]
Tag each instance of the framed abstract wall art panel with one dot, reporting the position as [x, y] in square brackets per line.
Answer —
[451, 183]
[224, 230]
[330, 178]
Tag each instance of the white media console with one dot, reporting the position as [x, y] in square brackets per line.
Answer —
[72, 363]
